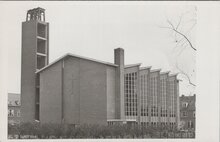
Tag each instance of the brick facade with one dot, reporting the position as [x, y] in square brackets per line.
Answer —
[187, 112]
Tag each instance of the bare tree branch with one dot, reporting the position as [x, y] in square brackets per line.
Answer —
[177, 44]
[172, 27]
[182, 42]
[185, 38]
[179, 22]
[186, 75]
[169, 22]
[178, 26]
[181, 51]
[191, 27]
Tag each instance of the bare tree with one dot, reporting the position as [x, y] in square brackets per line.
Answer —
[182, 41]
[186, 75]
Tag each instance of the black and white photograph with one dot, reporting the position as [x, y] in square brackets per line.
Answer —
[103, 70]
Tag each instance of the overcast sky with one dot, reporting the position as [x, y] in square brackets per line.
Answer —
[94, 30]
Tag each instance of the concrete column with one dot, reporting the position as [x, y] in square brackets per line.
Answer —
[149, 100]
[168, 99]
[177, 103]
[138, 97]
[159, 101]
[119, 83]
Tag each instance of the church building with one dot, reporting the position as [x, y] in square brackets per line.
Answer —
[79, 90]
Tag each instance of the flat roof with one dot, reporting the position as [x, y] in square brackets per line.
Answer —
[76, 56]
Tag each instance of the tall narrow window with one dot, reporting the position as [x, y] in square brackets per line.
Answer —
[11, 113]
[18, 113]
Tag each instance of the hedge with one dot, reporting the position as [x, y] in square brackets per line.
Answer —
[50, 130]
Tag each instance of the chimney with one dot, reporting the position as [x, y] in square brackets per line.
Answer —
[119, 84]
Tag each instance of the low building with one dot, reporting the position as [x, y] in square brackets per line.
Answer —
[187, 112]
[14, 108]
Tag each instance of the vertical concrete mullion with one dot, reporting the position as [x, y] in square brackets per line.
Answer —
[62, 92]
[176, 101]
[159, 98]
[79, 89]
[138, 95]
[167, 99]
[47, 44]
[149, 97]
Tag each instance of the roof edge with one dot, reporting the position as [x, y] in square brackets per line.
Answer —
[174, 74]
[55, 61]
[132, 65]
[76, 56]
[145, 68]
[166, 72]
[94, 60]
[156, 70]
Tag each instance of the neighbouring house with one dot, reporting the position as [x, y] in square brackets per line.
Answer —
[14, 108]
[187, 112]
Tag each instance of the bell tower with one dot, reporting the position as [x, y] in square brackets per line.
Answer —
[35, 56]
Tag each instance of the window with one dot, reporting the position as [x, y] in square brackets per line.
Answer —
[194, 114]
[130, 94]
[9, 103]
[18, 113]
[184, 114]
[17, 103]
[190, 125]
[184, 104]
[11, 113]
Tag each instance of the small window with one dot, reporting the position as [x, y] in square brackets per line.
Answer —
[194, 114]
[184, 114]
[189, 124]
[185, 104]
[11, 113]
[18, 113]
[9, 103]
[17, 103]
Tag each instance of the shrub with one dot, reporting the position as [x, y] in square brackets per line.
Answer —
[50, 130]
